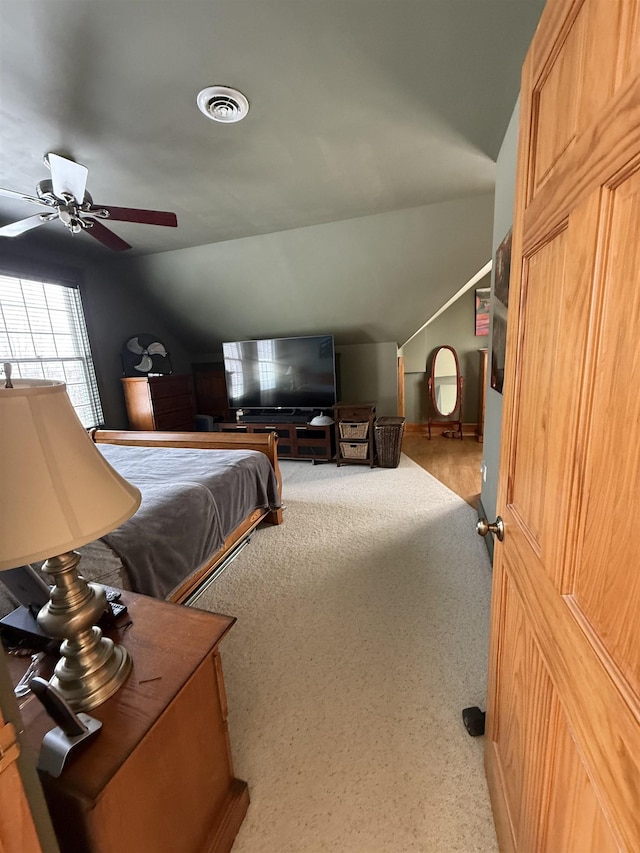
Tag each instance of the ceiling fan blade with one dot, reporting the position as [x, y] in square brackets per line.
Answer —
[17, 228]
[145, 217]
[67, 177]
[105, 236]
[23, 197]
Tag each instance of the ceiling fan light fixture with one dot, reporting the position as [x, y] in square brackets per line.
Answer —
[223, 104]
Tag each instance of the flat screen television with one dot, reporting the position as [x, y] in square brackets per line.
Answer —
[281, 373]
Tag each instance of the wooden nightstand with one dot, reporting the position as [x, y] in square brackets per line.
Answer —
[158, 777]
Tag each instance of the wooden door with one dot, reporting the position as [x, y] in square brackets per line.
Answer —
[563, 713]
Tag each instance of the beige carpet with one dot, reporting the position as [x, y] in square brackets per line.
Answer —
[362, 634]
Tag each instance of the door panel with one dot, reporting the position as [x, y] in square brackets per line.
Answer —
[523, 685]
[572, 89]
[557, 292]
[603, 27]
[558, 97]
[574, 819]
[629, 63]
[563, 709]
[544, 274]
[606, 592]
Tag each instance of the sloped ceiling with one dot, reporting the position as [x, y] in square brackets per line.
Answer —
[364, 280]
[359, 108]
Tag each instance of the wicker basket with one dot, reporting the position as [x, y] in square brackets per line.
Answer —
[354, 451]
[354, 430]
[388, 434]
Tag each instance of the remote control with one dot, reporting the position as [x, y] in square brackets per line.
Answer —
[117, 609]
[111, 592]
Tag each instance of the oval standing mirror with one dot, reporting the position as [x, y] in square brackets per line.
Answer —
[445, 386]
[444, 389]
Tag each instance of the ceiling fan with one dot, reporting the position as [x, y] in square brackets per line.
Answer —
[64, 196]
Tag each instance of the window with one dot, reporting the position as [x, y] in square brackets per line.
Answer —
[44, 336]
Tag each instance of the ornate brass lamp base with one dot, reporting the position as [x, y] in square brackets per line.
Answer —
[92, 668]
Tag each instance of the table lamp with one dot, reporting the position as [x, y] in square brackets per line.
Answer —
[57, 492]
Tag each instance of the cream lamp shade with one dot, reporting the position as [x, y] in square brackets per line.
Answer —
[57, 492]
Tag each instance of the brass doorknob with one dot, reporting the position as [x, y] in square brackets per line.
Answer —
[497, 528]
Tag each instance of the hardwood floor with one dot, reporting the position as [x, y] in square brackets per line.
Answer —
[455, 463]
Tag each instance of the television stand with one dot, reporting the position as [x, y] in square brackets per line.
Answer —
[288, 417]
[295, 440]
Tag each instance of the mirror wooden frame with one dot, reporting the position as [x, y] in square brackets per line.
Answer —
[452, 421]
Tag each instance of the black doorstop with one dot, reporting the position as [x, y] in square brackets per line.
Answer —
[473, 719]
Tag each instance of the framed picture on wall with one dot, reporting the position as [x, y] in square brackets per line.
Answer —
[483, 303]
[500, 306]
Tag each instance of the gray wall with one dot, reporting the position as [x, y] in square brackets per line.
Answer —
[369, 373]
[351, 279]
[365, 373]
[455, 327]
[367, 280]
[503, 220]
[317, 279]
[114, 309]
[117, 311]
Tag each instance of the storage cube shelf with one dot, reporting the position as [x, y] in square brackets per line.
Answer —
[354, 422]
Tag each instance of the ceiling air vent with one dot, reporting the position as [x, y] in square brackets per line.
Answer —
[221, 103]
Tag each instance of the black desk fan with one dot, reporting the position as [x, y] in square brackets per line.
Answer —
[144, 355]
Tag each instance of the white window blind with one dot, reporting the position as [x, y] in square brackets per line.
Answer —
[44, 336]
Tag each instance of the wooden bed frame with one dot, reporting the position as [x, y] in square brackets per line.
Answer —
[266, 443]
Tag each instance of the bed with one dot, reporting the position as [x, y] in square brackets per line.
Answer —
[202, 496]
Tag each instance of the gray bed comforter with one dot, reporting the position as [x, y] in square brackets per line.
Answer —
[191, 501]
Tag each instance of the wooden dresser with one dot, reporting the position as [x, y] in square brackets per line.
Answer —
[160, 402]
[158, 777]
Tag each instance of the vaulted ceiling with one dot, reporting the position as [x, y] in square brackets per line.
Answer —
[357, 108]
